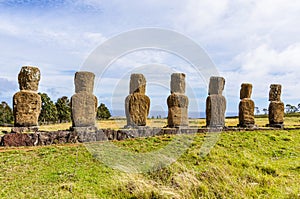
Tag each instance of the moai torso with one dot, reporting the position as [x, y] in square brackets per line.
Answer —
[177, 102]
[83, 102]
[137, 104]
[246, 106]
[26, 102]
[215, 103]
[276, 107]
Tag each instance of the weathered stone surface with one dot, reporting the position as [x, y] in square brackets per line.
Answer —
[24, 129]
[276, 113]
[275, 92]
[27, 108]
[18, 139]
[215, 111]
[177, 110]
[56, 137]
[246, 91]
[137, 84]
[84, 82]
[216, 85]
[178, 83]
[137, 109]
[84, 109]
[246, 113]
[246, 106]
[29, 78]
[276, 107]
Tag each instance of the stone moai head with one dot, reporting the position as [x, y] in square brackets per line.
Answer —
[216, 85]
[178, 83]
[246, 91]
[84, 82]
[29, 78]
[275, 92]
[137, 84]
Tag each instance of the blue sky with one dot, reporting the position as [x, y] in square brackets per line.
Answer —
[249, 41]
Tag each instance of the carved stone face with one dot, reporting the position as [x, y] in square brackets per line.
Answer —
[216, 85]
[275, 92]
[137, 84]
[246, 91]
[178, 83]
[29, 78]
[84, 82]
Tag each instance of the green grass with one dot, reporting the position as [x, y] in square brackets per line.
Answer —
[257, 164]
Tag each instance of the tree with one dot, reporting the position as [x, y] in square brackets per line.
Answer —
[265, 111]
[63, 109]
[291, 109]
[257, 110]
[49, 111]
[6, 114]
[103, 112]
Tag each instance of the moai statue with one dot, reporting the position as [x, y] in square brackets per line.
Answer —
[178, 102]
[137, 104]
[83, 102]
[26, 102]
[276, 107]
[246, 107]
[215, 103]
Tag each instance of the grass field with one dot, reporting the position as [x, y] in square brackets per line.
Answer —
[257, 164]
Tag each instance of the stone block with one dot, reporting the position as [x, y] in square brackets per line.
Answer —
[27, 108]
[215, 111]
[246, 91]
[29, 78]
[177, 110]
[246, 113]
[276, 113]
[84, 82]
[137, 84]
[178, 83]
[84, 109]
[137, 109]
[216, 85]
[275, 92]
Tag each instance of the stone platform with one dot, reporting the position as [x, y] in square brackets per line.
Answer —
[40, 138]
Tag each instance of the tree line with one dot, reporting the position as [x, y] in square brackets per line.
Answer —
[58, 112]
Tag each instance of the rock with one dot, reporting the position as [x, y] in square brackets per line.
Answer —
[137, 109]
[84, 82]
[178, 83]
[137, 84]
[276, 107]
[246, 113]
[24, 129]
[275, 92]
[276, 113]
[215, 103]
[26, 108]
[216, 85]
[246, 91]
[84, 109]
[215, 111]
[177, 110]
[83, 102]
[27, 103]
[246, 107]
[18, 139]
[29, 78]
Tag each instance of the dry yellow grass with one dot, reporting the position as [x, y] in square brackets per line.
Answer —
[194, 123]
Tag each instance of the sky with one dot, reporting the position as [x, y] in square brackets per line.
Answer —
[248, 41]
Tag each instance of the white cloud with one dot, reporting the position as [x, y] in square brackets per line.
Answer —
[250, 41]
